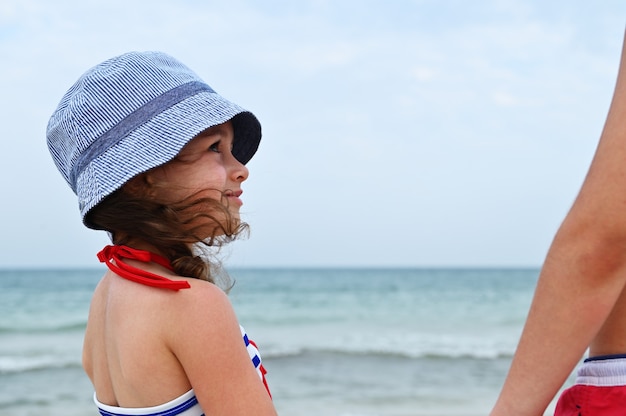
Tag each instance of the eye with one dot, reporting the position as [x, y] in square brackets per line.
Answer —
[215, 147]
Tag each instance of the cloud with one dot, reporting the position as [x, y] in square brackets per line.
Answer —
[424, 74]
[411, 132]
[504, 99]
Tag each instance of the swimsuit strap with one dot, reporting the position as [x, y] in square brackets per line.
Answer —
[112, 256]
[256, 360]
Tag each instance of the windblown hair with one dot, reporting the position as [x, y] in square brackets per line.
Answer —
[178, 231]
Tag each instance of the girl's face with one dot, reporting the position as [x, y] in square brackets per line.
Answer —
[206, 168]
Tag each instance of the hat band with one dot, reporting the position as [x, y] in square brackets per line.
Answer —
[135, 119]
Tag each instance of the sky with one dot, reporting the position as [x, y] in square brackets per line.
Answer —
[423, 133]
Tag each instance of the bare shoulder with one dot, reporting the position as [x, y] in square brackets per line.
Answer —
[203, 300]
[205, 311]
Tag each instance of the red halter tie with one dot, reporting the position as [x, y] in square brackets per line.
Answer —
[112, 256]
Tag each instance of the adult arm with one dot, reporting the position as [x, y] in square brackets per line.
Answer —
[581, 280]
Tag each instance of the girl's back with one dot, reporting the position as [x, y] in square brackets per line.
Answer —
[126, 351]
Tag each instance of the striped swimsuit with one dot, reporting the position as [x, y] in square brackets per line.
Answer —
[187, 404]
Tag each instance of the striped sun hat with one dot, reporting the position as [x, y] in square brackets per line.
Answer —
[132, 113]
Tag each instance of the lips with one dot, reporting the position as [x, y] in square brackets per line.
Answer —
[234, 196]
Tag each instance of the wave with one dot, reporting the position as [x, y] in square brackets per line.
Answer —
[386, 342]
[33, 328]
[22, 364]
[303, 352]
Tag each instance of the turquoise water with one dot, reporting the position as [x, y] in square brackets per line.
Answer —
[342, 342]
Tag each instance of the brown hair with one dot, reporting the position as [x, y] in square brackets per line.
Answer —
[170, 228]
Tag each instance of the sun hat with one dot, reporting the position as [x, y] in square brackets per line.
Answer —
[132, 113]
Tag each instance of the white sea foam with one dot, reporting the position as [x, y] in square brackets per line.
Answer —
[16, 364]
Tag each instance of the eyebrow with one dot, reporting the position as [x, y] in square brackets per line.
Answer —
[219, 129]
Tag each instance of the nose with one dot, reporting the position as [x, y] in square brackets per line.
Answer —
[239, 171]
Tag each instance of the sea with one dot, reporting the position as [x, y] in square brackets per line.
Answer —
[335, 342]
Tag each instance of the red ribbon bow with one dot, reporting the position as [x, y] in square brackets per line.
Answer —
[112, 256]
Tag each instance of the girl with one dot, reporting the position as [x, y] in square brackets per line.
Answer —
[580, 299]
[157, 159]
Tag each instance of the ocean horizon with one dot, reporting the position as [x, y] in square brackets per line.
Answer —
[335, 341]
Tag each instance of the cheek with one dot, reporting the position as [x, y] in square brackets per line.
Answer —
[180, 181]
[210, 179]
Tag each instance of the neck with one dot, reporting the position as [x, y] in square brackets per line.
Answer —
[137, 244]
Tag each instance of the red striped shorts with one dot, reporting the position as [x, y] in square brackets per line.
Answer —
[600, 389]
